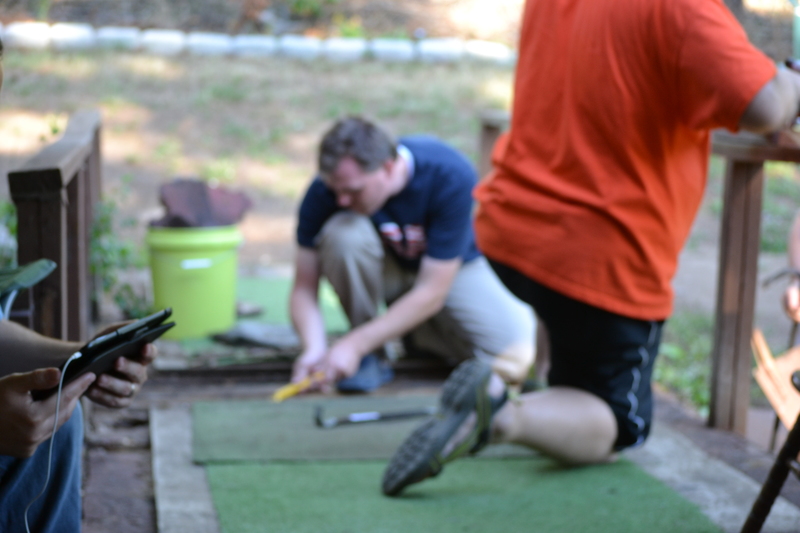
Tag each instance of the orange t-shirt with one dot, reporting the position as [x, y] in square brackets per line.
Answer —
[598, 181]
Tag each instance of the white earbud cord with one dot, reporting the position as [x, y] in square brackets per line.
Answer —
[74, 356]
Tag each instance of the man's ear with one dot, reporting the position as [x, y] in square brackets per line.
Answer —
[389, 164]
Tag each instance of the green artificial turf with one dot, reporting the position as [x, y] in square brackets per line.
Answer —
[503, 495]
[273, 295]
[261, 430]
[270, 469]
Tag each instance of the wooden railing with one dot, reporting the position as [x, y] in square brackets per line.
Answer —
[739, 239]
[55, 193]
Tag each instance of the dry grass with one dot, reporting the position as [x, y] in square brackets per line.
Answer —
[249, 124]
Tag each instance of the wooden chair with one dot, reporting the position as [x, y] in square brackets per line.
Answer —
[774, 376]
[779, 378]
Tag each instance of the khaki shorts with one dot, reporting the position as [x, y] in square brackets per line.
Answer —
[480, 316]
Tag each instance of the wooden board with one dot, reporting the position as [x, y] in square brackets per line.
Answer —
[774, 376]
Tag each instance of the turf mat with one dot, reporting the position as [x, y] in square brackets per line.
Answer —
[273, 295]
[259, 430]
[507, 495]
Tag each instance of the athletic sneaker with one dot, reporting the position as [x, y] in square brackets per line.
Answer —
[373, 372]
[430, 446]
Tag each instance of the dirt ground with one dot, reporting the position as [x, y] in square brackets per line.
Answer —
[118, 486]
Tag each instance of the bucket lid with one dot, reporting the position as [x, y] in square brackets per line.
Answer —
[194, 238]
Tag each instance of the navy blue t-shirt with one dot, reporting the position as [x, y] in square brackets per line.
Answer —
[431, 216]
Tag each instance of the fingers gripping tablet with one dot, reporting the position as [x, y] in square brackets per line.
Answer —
[100, 354]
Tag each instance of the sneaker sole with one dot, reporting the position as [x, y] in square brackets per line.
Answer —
[418, 457]
[461, 388]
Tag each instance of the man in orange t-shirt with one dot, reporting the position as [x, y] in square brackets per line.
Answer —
[593, 194]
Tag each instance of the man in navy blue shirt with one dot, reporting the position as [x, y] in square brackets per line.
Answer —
[387, 221]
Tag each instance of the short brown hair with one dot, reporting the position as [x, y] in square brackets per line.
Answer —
[358, 138]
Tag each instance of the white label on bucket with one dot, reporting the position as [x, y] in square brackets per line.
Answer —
[191, 264]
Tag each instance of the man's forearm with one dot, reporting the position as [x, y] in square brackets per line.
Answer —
[23, 350]
[307, 320]
[407, 312]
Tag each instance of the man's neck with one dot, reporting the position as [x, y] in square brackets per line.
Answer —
[400, 177]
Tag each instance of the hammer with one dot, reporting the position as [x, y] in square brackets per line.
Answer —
[369, 416]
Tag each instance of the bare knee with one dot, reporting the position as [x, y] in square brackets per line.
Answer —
[569, 425]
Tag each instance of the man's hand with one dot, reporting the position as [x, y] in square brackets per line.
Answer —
[341, 361]
[117, 388]
[791, 301]
[306, 364]
[25, 423]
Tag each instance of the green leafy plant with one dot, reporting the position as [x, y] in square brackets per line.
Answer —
[348, 26]
[8, 234]
[43, 9]
[684, 361]
[309, 8]
[132, 303]
[108, 256]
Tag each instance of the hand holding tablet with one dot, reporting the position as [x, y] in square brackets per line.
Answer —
[100, 354]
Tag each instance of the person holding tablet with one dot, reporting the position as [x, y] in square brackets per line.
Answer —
[28, 363]
[39, 487]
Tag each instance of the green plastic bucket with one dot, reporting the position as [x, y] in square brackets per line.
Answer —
[194, 273]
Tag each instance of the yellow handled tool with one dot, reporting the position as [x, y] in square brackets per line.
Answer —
[292, 389]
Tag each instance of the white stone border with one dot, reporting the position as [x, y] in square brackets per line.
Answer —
[65, 36]
[183, 498]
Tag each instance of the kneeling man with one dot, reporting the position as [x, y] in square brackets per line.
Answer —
[391, 222]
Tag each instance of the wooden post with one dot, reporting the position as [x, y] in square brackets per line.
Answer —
[493, 123]
[42, 233]
[738, 269]
[54, 193]
[77, 286]
[736, 294]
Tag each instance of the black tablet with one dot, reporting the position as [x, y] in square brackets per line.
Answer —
[99, 354]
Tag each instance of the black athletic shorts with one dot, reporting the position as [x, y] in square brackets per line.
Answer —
[608, 355]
